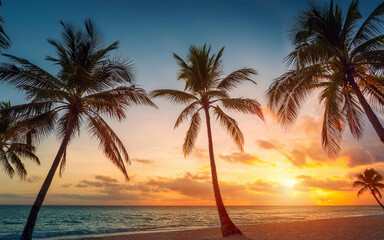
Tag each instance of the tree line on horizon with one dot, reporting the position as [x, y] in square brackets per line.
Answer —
[332, 54]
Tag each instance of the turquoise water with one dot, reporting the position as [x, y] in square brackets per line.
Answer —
[66, 222]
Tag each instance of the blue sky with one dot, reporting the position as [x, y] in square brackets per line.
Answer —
[254, 33]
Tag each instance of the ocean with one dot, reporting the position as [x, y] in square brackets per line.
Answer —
[66, 222]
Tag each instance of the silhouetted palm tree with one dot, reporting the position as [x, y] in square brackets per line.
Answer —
[12, 143]
[204, 89]
[344, 61]
[371, 181]
[4, 39]
[88, 86]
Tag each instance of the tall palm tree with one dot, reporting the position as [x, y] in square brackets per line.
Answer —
[370, 180]
[4, 39]
[343, 60]
[12, 143]
[88, 86]
[204, 89]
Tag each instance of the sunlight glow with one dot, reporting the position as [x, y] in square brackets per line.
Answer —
[290, 182]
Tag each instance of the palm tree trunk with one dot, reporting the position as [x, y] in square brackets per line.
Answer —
[367, 109]
[227, 226]
[374, 195]
[30, 225]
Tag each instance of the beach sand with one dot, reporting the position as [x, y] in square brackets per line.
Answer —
[364, 228]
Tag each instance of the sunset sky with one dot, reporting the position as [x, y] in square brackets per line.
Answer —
[278, 166]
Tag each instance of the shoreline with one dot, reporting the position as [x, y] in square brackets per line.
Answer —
[358, 227]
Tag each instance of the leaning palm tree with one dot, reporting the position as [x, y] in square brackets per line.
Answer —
[204, 89]
[13, 147]
[371, 181]
[89, 85]
[4, 39]
[341, 60]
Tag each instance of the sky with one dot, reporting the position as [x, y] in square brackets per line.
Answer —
[278, 166]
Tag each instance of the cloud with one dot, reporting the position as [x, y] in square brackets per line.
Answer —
[198, 187]
[377, 151]
[266, 187]
[18, 196]
[265, 144]
[107, 189]
[143, 161]
[106, 179]
[33, 179]
[101, 181]
[306, 182]
[108, 196]
[298, 158]
[238, 157]
[200, 153]
[309, 125]
[66, 185]
[305, 153]
[201, 176]
[357, 156]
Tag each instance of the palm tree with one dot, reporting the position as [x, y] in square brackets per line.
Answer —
[370, 180]
[332, 54]
[12, 146]
[204, 89]
[89, 85]
[4, 39]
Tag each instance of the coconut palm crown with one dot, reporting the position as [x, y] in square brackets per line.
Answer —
[207, 90]
[89, 86]
[341, 57]
[5, 42]
[371, 181]
[13, 145]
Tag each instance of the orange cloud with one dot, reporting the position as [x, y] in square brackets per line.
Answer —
[238, 157]
[265, 144]
[305, 183]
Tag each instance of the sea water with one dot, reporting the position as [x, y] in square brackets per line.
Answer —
[66, 222]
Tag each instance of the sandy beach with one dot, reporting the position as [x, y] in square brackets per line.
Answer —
[364, 228]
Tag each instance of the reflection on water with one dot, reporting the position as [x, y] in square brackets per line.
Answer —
[57, 222]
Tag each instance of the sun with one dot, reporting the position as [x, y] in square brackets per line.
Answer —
[290, 182]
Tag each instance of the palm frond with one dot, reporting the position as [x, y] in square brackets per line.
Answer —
[191, 136]
[371, 27]
[376, 191]
[235, 78]
[361, 191]
[174, 95]
[308, 54]
[288, 92]
[6, 165]
[109, 141]
[20, 168]
[354, 114]
[333, 120]
[5, 42]
[231, 125]
[351, 20]
[24, 150]
[28, 74]
[190, 110]
[378, 185]
[359, 184]
[377, 178]
[212, 94]
[243, 105]
[373, 88]
[361, 177]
